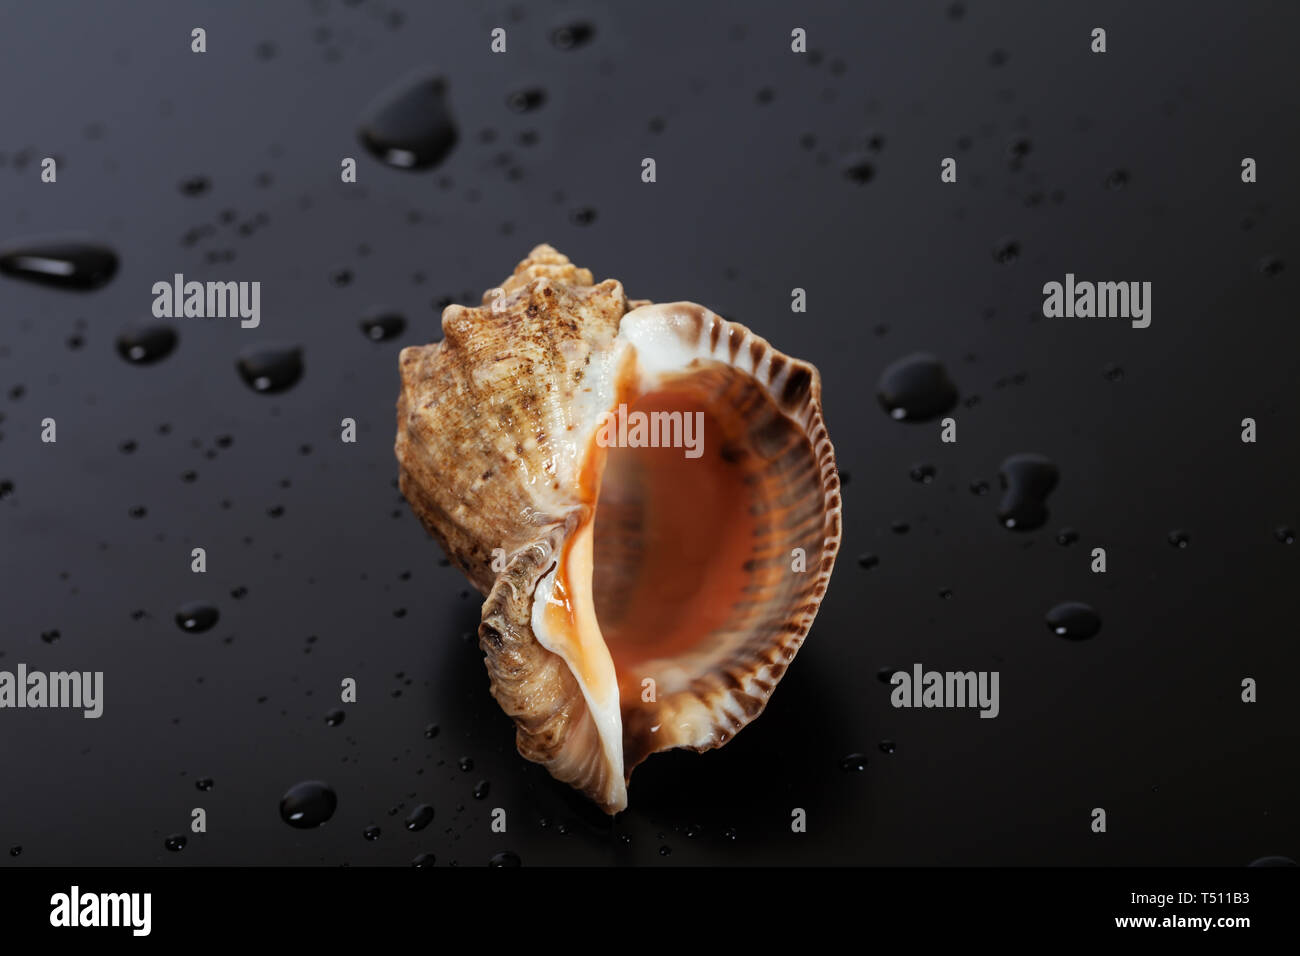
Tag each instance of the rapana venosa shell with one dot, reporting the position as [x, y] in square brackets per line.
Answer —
[639, 598]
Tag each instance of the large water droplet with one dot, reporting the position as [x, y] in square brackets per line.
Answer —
[381, 326]
[410, 126]
[66, 263]
[1027, 480]
[270, 369]
[196, 617]
[420, 817]
[146, 343]
[916, 388]
[1073, 620]
[308, 804]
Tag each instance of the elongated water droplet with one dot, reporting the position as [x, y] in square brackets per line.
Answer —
[65, 263]
[854, 763]
[572, 35]
[410, 125]
[1073, 620]
[420, 817]
[146, 343]
[916, 388]
[308, 804]
[505, 858]
[270, 369]
[1027, 480]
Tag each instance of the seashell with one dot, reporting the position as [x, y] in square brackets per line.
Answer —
[639, 598]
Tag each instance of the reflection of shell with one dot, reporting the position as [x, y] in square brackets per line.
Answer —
[649, 600]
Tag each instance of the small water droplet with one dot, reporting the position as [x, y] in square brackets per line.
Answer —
[1073, 620]
[1006, 251]
[420, 817]
[526, 100]
[694, 830]
[410, 126]
[1284, 534]
[916, 388]
[335, 717]
[868, 560]
[1179, 539]
[583, 216]
[431, 731]
[1027, 480]
[371, 833]
[270, 369]
[888, 746]
[1066, 537]
[196, 617]
[854, 763]
[382, 326]
[1114, 373]
[900, 527]
[885, 674]
[922, 474]
[1117, 179]
[1274, 861]
[308, 804]
[505, 858]
[49, 637]
[204, 783]
[194, 186]
[860, 173]
[729, 833]
[146, 343]
[176, 842]
[466, 763]
[65, 263]
[423, 860]
[16, 850]
[945, 594]
[6, 489]
[481, 790]
[571, 36]
[1271, 266]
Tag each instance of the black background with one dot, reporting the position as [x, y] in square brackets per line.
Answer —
[1144, 720]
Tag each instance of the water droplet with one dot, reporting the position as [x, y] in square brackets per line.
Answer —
[571, 36]
[431, 731]
[1180, 539]
[269, 369]
[195, 186]
[729, 833]
[1027, 480]
[505, 858]
[888, 746]
[1006, 251]
[466, 763]
[1114, 373]
[584, 216]
[526, 100]
[308, 804]
[204, 783]
[65, 263]
[1073, 620]
[1274, 861]
[922, 474]
[371, 833]
[196, 617]
[481, 790]
[335, 717]
[854, 763]
[176, 842]
[693, 831]
[885, 674]
[410, 126]
[423, 860]
[1271, 266]
[1284, 534]
[49, 637]
[341, 277]
[6, 489]
[860, 173]
[979, 487]
[868, 560]
[916, 388]
[146, 343]
[998, 57]
[381, 326]
[16, 850]
[1067, 537]
[1117, 179]
[420, 817]
[665, 850]
[946, 594]
[900, 527]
